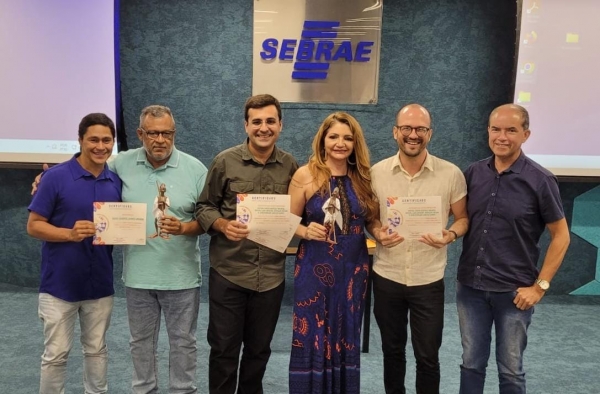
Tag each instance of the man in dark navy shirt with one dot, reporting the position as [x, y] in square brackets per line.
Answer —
[511, 200]
[76, 276]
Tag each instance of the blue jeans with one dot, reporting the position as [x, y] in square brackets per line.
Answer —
[180, 308]
[59, 319]
[477, 311]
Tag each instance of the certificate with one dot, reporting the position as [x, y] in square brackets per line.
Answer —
[120, 223]
[268, 218]
[412, 217]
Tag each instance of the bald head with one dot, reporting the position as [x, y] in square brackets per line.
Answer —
[414, 110]
[512, 108]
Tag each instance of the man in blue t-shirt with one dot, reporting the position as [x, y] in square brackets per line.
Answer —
[76, 276]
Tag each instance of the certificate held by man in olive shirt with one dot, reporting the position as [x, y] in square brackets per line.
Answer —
[268, 218]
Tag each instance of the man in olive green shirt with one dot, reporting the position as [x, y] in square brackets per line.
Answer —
[246, 280]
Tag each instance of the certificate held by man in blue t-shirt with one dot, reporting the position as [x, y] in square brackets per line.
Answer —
[120, 223]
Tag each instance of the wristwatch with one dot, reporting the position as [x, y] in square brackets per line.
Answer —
[543, 284]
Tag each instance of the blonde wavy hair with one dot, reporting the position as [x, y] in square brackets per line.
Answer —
[359, 164]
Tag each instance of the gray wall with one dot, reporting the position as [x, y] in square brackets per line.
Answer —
[454, 57]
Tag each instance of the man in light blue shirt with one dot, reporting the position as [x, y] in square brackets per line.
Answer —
[163, 275]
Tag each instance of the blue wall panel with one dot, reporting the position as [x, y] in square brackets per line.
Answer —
[454, 57]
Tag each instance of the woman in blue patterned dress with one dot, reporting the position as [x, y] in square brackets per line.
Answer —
[333, 195]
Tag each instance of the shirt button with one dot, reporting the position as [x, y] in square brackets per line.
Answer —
[478, 267]
[485, 231]
[480, 248]
[489, 212]
[493, 194]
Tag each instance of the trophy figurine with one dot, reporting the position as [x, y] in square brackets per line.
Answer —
[161, 203]
[333, 215]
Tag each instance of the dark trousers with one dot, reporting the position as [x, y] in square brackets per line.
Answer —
[239, 316]
[394, 306]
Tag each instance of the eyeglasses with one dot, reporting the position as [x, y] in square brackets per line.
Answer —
[152, 134]
[407, 130]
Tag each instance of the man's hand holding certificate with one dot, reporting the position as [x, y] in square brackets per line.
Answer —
[268, 218]
[120, 223]
[415, 217]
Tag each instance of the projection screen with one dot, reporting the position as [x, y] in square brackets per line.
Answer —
[557, 81]
[58, 64]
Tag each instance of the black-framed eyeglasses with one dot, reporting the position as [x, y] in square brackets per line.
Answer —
[153, 134]
[407, 130]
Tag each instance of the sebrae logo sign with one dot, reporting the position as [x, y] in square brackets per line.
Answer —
[316, 50]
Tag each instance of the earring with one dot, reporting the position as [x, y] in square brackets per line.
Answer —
[349, 162]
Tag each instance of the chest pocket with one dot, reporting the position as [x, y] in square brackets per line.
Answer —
[279, 188]
[241, 187]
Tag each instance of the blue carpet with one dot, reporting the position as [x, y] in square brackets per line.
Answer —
[563, 354]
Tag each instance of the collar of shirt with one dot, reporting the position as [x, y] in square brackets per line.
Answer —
[397, 165]
[276, 155]
[515, 167]
[77, 171]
